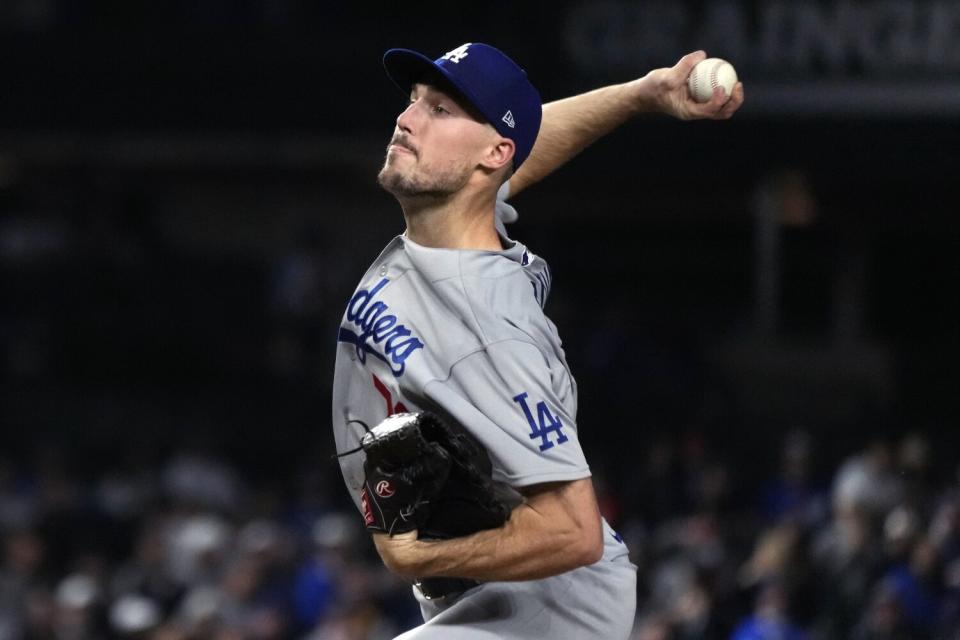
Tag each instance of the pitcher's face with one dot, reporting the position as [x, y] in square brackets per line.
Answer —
[436, 145]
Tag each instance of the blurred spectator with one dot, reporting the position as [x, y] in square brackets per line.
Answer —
[774, 558]
[78, 608]
[792, 493]
[39, 615]
[884, 618]
[845, 560]
[134, 617]
[901, 527]
[320, 577]
[770, 620]
[915, 584]
[950, 619]
[197, 480]
[197, 547]
[20, 581]
[692, 615]
[868, 481]
[915, 471]
[147, 571]
[17, 504]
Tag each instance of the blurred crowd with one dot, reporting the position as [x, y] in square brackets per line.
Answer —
[185, 549]
[871, 553]
[190, 547]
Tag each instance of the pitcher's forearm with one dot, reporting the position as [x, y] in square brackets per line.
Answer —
[557, 529]
[572, 124]
[506, 554]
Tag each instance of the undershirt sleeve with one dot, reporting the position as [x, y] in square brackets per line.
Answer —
[506, 213]
[504, 396]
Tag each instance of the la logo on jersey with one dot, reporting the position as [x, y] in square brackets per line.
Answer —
[458, 54]
[545, 423]
[371, 329]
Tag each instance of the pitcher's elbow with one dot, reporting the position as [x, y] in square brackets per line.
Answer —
[593, 552]
[591, 546]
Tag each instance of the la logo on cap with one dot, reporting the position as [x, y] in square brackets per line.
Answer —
[458, 54]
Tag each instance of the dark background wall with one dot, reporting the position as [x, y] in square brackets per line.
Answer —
[164, 170]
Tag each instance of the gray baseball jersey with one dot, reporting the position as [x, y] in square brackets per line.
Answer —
[463, 333]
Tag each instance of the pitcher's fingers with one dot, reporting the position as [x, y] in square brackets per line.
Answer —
[736, 99]
[710, 109]
[686, 64]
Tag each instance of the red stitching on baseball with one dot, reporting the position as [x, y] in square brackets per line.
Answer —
[713, 74]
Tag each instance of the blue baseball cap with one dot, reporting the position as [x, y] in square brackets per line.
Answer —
[487, 79]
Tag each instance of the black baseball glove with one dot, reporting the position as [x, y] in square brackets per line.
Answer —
[422, 474]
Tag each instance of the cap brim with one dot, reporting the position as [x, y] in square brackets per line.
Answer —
[407, 67]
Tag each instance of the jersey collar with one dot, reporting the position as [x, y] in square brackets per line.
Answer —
[437, 264]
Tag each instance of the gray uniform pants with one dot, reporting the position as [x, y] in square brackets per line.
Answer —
[597, 601]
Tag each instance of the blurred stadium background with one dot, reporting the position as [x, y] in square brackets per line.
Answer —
[762, 314]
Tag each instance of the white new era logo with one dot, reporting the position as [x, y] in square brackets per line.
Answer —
[508, 118]
[458, 54]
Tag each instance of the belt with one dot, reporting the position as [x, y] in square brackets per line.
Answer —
[435, 588]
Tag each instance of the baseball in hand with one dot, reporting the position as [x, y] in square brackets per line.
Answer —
[710, 73]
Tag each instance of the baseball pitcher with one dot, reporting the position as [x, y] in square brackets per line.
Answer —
[454, 408]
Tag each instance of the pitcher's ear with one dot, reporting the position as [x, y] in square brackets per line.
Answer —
[499, 154]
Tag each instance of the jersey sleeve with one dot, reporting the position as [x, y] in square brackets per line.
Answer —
[504, 395]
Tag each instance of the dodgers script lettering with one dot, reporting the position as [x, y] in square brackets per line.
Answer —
[371, 329]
